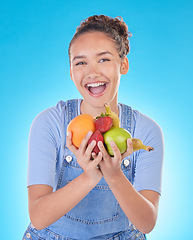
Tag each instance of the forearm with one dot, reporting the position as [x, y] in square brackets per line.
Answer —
[50, 207]
[139, 210]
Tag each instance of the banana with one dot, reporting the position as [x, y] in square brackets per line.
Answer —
[138, 144]
[113, 115]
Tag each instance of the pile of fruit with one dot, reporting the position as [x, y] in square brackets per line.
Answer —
[105, 128]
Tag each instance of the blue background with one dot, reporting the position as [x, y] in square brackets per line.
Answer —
[34, 75]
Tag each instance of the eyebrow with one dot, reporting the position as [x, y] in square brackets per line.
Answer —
[104, 53]
[99, 54]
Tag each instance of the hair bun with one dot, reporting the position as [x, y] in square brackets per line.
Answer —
[116, 28]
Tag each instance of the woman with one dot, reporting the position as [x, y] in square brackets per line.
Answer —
[69, 196]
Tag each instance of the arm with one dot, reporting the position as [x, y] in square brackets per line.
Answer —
[140, 207]
[46, 206]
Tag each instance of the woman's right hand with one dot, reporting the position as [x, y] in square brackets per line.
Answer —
[83, 155]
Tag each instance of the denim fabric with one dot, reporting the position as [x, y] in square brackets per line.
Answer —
[98, 215]
[131, 234]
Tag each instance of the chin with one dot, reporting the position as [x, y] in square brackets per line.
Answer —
[95, 102]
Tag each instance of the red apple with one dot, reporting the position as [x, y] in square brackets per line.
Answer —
[97, 136]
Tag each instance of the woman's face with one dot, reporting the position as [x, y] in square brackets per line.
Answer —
[96, 68]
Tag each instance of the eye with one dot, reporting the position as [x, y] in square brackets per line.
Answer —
[104, 60]
[80, 63]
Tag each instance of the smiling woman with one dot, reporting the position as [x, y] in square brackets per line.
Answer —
[96, 68]
[74, 194]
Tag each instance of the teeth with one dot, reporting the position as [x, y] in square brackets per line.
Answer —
[95, 84]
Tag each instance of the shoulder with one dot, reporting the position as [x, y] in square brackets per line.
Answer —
[148, 131]
[145, 125]
[51, 115]
[49, 123]
[143, 119]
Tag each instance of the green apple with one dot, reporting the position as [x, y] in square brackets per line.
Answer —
[119, 136]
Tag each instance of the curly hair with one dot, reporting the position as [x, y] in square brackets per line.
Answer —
[115, 28]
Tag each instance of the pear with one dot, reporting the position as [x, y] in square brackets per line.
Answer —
[120, 136]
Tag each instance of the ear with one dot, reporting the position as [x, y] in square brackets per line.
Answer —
[124, 65]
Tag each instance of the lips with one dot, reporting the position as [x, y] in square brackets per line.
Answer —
[97, 88]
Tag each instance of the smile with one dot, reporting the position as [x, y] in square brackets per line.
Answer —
[96, 89]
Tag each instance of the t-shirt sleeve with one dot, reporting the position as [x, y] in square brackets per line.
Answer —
[148, 169]
[42, 149]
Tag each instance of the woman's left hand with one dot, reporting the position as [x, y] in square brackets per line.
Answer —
[111, 166]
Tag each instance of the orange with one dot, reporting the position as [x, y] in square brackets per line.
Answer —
[80, 126]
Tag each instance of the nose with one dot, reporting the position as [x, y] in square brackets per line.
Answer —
[93, 71]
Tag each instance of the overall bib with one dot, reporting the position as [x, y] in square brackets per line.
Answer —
[98, 216]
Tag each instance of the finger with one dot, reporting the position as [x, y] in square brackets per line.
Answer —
[129, 150]
[69, 143]
[89, 150]
[84, 142]
[116, 151]
[97, 160]
[94, 155]
[103, 150]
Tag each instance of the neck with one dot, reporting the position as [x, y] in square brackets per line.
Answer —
[97, 110]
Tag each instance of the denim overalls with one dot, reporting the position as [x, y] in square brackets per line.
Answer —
[98, 216]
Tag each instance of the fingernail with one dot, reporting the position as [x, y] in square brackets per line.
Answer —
[112, 143]
[68, 134]
[93, 154]
[89, 133]
[129, 141]
[100, 154]
[93, 143]
[100, 144]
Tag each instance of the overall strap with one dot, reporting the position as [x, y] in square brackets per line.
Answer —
[127, 118]
[71, 109]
